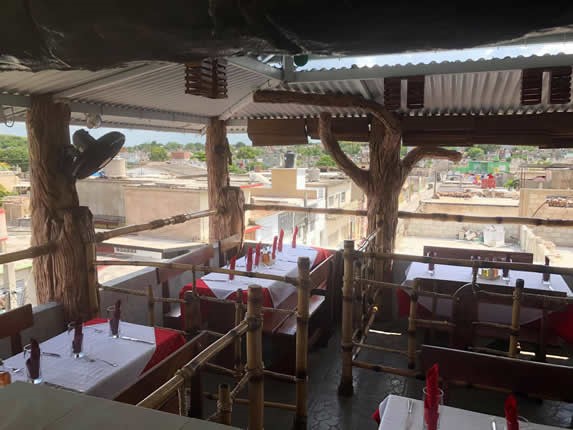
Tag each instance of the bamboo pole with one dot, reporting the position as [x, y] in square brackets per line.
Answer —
[426, 216]
[267, 404]
[238, 342]
[191, 323]
[525, 267]
[385, 369]
[380, 348]
[302, 319]
[224, 405]
[150, 306]
[345, 387]
[515, 324]
[412, 326]
[240, 386]
[220, 370]
[191, 267]
[255, 357]
[31, 252]
[152, 225]
[139, 293]
[280, 376]
[91, 255]
[182, 402]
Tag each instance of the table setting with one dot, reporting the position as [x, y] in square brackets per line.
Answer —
[279, 259]
[402, 413]
[101, 357]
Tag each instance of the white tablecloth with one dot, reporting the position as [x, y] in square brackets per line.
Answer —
[394, 414]
[93, 377]
[284, 265]
[486, 311]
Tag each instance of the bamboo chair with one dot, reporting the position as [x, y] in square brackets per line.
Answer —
[13, 322]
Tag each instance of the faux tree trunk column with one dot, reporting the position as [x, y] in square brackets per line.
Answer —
[227, 200]
[56, 215]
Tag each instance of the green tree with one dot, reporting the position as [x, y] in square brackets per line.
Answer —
[173, 146]
[351, 148]
[475, 153]
[158, 153]
[240, 145]
[14, 151]
[194, 146]
[199, 155]
[325, 161]
[248, 153]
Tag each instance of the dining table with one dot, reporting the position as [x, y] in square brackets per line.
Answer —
[496, 313]
[274, 292]
[109, 364]
[397, 412]
[25, 406]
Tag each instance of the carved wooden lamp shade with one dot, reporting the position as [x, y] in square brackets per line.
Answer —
[207, 78]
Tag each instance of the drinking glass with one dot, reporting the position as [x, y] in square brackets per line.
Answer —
[76, 344]
[113, 323]
[35, 378]
[440, 403]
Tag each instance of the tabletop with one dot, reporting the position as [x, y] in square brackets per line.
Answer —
[394, 415]
[284, 265]
[109, 366]
[38, 407]
[447, 272]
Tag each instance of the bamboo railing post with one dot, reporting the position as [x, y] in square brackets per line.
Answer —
[255, 357]
[91, 256]
[412, 326]
[224, 405]
[302, 318]
[239, 315]
[192, 321]
[150, 306]
[515, 313]
[345, 387]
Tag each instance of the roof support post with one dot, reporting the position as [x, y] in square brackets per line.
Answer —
[226, 200]
[61, 276]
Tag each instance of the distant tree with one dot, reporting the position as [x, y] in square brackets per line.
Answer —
[351, 148]
[173, 146]
[194, 146]
[475, 153]
[236, 169]
[240, 145]
[248, 153]
[325, 161]
[4, 192]
[158, 153]
[14, 151]
[199, 155]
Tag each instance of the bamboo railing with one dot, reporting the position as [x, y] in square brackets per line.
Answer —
[354, 338]
[419, 215]
[253, 376]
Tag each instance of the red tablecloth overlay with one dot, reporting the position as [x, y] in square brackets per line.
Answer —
[204, 290]
[559, 322]
[166, 342]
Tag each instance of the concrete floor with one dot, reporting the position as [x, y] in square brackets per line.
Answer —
[328, 411]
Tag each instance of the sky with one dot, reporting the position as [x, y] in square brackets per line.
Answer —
[135, 137]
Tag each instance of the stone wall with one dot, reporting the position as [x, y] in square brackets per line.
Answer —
[469, 208]
[538, 246]
[450, 230]
[531, 201]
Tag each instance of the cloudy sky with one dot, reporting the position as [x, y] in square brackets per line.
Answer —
[135, 137]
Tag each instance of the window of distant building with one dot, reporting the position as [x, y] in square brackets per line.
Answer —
[330, 201]
[342, 197]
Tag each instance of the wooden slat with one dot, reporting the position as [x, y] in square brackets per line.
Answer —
[560, 85]
[270, 132]
[415, 92]
[352, 129]
[392, 93]
[531, 85]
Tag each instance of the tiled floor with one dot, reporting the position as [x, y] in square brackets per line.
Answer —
[328, 411]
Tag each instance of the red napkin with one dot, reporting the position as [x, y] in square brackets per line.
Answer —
[274, 247]
[431, 402]
[294, 235]
[258, 254]
[250, 260]
[114, 321]
[281, 237]
[232, 267]
[78, 338]
[33, 363]
[511, 413]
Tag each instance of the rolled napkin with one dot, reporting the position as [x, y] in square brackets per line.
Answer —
[78, 338]
[281, 237]
[114, 320]
[258, 254]
[432, 399]
[232, 267]
[511, 413]
[274, 255]
[250, 259]
[33, 363]
[294, 235]
[546, 275]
